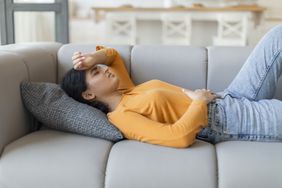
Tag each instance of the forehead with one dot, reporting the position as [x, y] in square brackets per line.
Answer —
[100, 65]
[95, 67]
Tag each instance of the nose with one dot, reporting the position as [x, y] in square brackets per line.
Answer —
[106, 69]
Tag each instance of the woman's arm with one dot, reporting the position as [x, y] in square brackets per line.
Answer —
[180, 134]
[107, 56]
[102, 55]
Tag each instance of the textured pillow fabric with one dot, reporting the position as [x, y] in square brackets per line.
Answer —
[50, 105]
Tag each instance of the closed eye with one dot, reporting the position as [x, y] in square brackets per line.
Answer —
[94, 71]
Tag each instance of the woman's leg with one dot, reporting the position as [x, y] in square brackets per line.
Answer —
[242, 114]
[258, 77]
[243, 119]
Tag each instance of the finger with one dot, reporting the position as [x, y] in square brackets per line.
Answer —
[81, 58]
[77, 66]
[77, 61]
[189, 91]
[76, 56]
[75, 53]
[186, 90]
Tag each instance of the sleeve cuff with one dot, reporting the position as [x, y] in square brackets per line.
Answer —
[99, 47]
[198, 101]
[110, 52]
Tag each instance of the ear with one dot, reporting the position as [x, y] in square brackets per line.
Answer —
[88, 96]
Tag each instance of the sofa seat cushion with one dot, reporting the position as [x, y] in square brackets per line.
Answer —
[249, 164]
[137, 164]
[50, 158]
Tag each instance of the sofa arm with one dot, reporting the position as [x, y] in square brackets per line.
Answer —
[22, 62]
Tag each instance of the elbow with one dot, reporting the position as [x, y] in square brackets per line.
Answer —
[182, 142]
[185, 143]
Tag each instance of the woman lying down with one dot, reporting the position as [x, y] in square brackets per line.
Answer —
[160, 113]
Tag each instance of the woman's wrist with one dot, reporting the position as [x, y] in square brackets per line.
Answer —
[99, 57]
[94, 59]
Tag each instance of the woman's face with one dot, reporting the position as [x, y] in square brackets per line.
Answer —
[101, 81]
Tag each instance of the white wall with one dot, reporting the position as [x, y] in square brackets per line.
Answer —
[271, 17]
[274, 7]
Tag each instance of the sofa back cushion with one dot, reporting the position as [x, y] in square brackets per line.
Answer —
[187, 66]
[223, 65]
[184, 66]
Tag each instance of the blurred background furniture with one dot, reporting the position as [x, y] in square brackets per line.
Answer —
[232, 23]
[176, 29]
[121, 28]
[232, 30]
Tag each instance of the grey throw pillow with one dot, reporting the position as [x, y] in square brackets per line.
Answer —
[50, 105]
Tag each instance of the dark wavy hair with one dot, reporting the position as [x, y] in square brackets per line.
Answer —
[74, 83]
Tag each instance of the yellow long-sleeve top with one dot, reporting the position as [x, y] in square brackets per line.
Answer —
[155, 112]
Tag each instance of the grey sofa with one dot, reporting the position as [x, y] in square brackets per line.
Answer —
[52, 159]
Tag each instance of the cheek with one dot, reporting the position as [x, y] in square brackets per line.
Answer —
[94, 83]
[116, 82]
[101, 84]
[110, 85]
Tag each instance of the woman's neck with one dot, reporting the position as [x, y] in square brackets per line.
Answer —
[112, 100]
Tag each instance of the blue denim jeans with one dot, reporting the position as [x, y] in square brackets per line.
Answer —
[246, 110]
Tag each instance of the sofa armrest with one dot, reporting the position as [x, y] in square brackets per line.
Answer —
[22, 62]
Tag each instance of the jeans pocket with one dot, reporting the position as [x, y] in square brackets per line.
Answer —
[220, 124]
